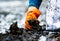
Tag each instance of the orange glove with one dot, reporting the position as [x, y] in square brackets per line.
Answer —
[32, 13]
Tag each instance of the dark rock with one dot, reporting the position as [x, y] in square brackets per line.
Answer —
[20, 34]
[15, 30]
[34, 24]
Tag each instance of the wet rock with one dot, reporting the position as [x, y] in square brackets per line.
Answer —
[15, 30]
[34, 23]
[20, 34]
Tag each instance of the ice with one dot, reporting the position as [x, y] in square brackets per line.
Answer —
[15, 11]
[2, 31]
[42, 38]
[10, 17]
[10, 4]
[53, 15]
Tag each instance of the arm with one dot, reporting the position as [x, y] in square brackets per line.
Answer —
[35, 3]
[33, 12]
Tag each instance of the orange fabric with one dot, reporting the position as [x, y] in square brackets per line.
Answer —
[32, 13]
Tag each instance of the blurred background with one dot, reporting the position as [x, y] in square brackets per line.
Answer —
[14, 10]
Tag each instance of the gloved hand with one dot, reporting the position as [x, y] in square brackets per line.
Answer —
[32, 14]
